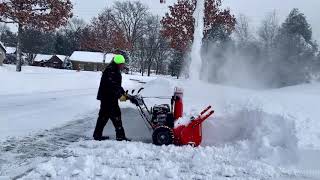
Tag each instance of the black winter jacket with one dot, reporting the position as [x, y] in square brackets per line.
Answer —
[110, 85]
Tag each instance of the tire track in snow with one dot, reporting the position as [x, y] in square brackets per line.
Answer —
[17, 154]
[20, 155]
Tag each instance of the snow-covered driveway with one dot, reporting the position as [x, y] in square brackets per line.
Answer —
[50, 115]
[39, 110]
[19, 155]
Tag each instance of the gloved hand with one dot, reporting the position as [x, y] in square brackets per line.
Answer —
[123, 98]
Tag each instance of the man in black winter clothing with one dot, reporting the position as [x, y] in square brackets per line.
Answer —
[110, 91]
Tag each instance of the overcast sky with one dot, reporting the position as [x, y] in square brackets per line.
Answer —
[255, 10]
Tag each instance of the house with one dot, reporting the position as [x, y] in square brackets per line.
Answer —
[2, 53]
[11, 50]
[11, 56]
[40, 59]
[56, 61]
[90, 61]
[53, 61]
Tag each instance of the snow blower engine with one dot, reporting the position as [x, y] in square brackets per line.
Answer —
[161, 120]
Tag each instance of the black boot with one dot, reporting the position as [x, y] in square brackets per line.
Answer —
[120, 135]
[102, 138]
[123, 139]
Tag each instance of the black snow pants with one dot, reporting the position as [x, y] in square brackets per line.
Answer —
[109, 110]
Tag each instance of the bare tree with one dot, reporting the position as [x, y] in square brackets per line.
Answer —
[140, 55]
[163, 53]
[75, 24]
[130, 18]
[153, 33]
[103, 34]
[269, 30]
[151, 49]
[242, 29]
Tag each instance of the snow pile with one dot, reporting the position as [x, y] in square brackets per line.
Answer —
[265, 123]
[121, 160]
[159, 87]
[268, 137]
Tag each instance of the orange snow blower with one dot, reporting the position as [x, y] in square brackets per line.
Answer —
[163, 120]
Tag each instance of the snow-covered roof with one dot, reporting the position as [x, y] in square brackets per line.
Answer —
[85, 56]
[109, 57]
[42, 57]
[11, 50]
[2, 46]
[61, 57]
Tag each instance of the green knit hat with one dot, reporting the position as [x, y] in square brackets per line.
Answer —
[119, 59]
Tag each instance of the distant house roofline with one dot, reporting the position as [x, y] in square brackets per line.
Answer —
[91, 57]
[11, 50]
[47, 57]
[42, 57]
[61, 57]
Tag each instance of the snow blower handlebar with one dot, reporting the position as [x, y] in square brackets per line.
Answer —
[142, 107]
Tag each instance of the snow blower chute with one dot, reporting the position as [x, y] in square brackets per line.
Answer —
[161, 120]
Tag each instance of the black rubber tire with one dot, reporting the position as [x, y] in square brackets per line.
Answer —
[162, 135]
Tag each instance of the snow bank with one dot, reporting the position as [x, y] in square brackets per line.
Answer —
[262, 136]
[268, 124]
[134, 160]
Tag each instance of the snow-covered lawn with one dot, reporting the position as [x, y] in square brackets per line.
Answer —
[254, 134]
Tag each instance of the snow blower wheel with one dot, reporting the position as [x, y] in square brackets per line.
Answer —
[162, 135]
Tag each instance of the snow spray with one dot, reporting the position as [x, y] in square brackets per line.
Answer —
[196, 61]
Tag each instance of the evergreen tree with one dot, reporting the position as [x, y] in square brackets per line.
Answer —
[34, 42]
[295, 51]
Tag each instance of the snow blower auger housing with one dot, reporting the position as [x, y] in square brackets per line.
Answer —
[161, 120]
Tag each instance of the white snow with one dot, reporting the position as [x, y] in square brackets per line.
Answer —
[120, 160]
[195, 54]
[97, 57]
[44, 98]
[42, 57]
[254, 134]
[2, 46]
[62, 57]
[11, 50]
[46, 57]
